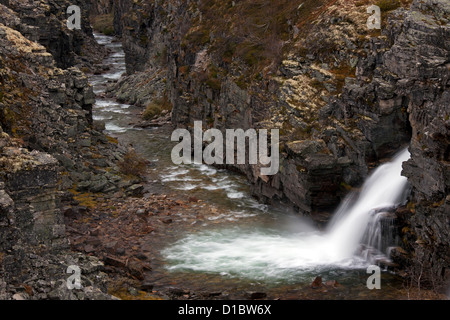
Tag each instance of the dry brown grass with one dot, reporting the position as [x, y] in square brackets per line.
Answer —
[133, 164]
[254, 31]
[104, 24]
[155, 108]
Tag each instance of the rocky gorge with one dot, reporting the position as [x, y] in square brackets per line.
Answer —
[344, 98]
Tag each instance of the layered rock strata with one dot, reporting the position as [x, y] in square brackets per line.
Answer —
[51, 151]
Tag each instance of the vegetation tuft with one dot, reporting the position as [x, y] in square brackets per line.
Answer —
[104, 24]
[156, 107]
[133, 164]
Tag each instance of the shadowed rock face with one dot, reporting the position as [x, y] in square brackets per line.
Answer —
[45, 22]
[343, 97]
[420, 57]
[33, 243]
[48, 145]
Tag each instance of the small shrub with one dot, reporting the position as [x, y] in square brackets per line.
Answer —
[143, 39]
[242, 82]
[214, 83]
[155, 108]
[388, 5]
[104, 24]
[152, 110]
[184, 69]
[212, 77]
[132, 164]
[228, 51]
[198, 37]
[252, 54]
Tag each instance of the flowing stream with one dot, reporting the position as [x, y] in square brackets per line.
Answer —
[247, 245]
[277, 254]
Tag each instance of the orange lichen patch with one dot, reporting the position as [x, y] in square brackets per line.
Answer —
[85, 199]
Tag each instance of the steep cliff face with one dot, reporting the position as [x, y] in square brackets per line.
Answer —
[344, 97]
[419, 59]
[272, 73]
[45, 22]
[50, 110]
[48, 145]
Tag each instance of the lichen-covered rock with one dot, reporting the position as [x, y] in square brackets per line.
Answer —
[50, 109]
[34, 255]
[45, 22]
[48, 144]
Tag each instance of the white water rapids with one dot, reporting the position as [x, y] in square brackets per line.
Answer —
[259, 253]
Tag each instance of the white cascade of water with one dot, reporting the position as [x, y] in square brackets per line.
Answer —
[384, 188]
[262, 254]
[380, 237]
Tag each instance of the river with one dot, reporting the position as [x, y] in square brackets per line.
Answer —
[244, 246]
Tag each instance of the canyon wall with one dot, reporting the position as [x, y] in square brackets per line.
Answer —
[51, 150]
[345, 97]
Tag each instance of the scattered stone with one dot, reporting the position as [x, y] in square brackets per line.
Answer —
[257, 295]
[317, 283]
[147, 286]
[133, 291]
[134, 190]
[141, 256]
[19, 296]
[114, 261]
[177, 291]
[136, 269]
[141, 212]
[166, 220]
[89, 248]
[214, 294]
[332, 283]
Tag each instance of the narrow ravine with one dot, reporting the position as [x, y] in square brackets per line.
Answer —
[243, 247]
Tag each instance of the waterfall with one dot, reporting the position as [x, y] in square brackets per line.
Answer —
[263, 253]
[384, 189]
[380, 237]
